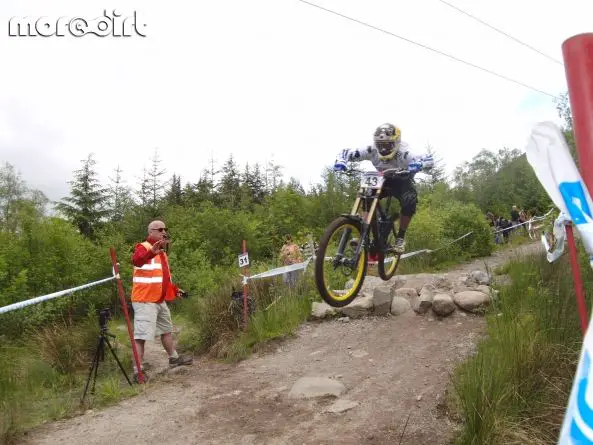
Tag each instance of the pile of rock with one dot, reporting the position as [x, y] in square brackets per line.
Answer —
[440, 294]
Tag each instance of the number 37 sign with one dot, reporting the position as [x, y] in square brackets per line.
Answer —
[244, 260]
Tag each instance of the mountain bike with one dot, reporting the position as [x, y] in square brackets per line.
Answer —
[344, 247]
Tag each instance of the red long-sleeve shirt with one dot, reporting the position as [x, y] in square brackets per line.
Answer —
[142, 255]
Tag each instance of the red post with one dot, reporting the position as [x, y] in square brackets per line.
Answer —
[578, 283]
[124, 305]
[246, 274]
[578, 64]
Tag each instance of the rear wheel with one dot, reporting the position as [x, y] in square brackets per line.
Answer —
[388, 260]
[336, 263]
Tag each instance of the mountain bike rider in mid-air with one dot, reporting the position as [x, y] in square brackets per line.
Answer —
[389, 152]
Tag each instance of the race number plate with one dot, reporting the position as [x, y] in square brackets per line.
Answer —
[372, 180]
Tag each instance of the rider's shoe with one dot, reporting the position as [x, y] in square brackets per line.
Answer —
[399, 246]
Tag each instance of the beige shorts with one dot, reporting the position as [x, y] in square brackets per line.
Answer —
[151, 320]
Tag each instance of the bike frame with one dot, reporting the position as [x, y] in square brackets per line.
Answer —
[369, 199]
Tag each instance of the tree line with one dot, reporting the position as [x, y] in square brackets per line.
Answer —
[43, 251]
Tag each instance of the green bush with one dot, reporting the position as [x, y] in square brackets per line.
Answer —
[426, 230]
[434, 227]
[50, 256]
[459, 219]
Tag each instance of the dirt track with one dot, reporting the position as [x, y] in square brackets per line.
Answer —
[396, 368]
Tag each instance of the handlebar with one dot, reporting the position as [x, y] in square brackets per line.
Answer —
[349, 170]
[393, 172]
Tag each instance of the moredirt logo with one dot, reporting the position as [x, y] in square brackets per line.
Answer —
[108, 25]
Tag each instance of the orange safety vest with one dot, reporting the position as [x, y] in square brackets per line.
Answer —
[147, 281]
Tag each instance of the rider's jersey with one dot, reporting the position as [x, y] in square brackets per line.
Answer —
[403, 159]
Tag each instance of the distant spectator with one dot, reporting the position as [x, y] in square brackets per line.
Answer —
[515, 215]
[290, 254]
[504, 225]
[523, 220]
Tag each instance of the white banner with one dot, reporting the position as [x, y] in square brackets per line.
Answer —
[548, 154]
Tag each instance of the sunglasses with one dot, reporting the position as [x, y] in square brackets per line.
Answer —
[162, 229]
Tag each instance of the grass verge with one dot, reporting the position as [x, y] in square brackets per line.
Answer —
[42, 377]
[515, 389]
[215, 327]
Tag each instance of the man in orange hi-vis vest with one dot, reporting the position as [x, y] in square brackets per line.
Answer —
[151, 289]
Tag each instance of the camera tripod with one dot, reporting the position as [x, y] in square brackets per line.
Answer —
[100, 355]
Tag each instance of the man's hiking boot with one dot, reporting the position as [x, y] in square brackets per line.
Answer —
[181, 360]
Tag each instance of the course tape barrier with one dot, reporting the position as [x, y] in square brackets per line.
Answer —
[298, 266]
[22, 304]
[278, 271]
[529, 221]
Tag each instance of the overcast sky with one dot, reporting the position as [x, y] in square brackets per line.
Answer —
[273, 78]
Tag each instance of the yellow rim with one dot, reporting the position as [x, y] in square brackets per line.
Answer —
[359, 270]
[389, 266]
[394, 263]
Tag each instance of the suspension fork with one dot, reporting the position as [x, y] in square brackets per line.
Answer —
[366, 228]
[342, 246]
[347, 232]
[366, 225]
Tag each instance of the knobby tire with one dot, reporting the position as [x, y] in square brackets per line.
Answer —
[320, 259]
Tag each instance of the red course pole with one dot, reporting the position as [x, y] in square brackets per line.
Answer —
[578, 283]
[577, 52]
[245, 273]
[124, 305]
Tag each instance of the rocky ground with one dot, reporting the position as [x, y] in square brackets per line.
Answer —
[364, 377]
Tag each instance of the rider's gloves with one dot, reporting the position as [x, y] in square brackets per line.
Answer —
[415, 167]
[427, 162]
[340, 165]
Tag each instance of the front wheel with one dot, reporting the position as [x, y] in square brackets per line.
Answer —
[336, 263]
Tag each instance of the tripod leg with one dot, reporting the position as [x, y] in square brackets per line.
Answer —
[101, 351]
[92, 368]
[117, 360]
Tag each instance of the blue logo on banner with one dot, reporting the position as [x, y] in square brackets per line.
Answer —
[576, 202]
[577, 435]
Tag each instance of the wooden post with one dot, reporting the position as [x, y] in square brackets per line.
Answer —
[124, 305]
[246, 274]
